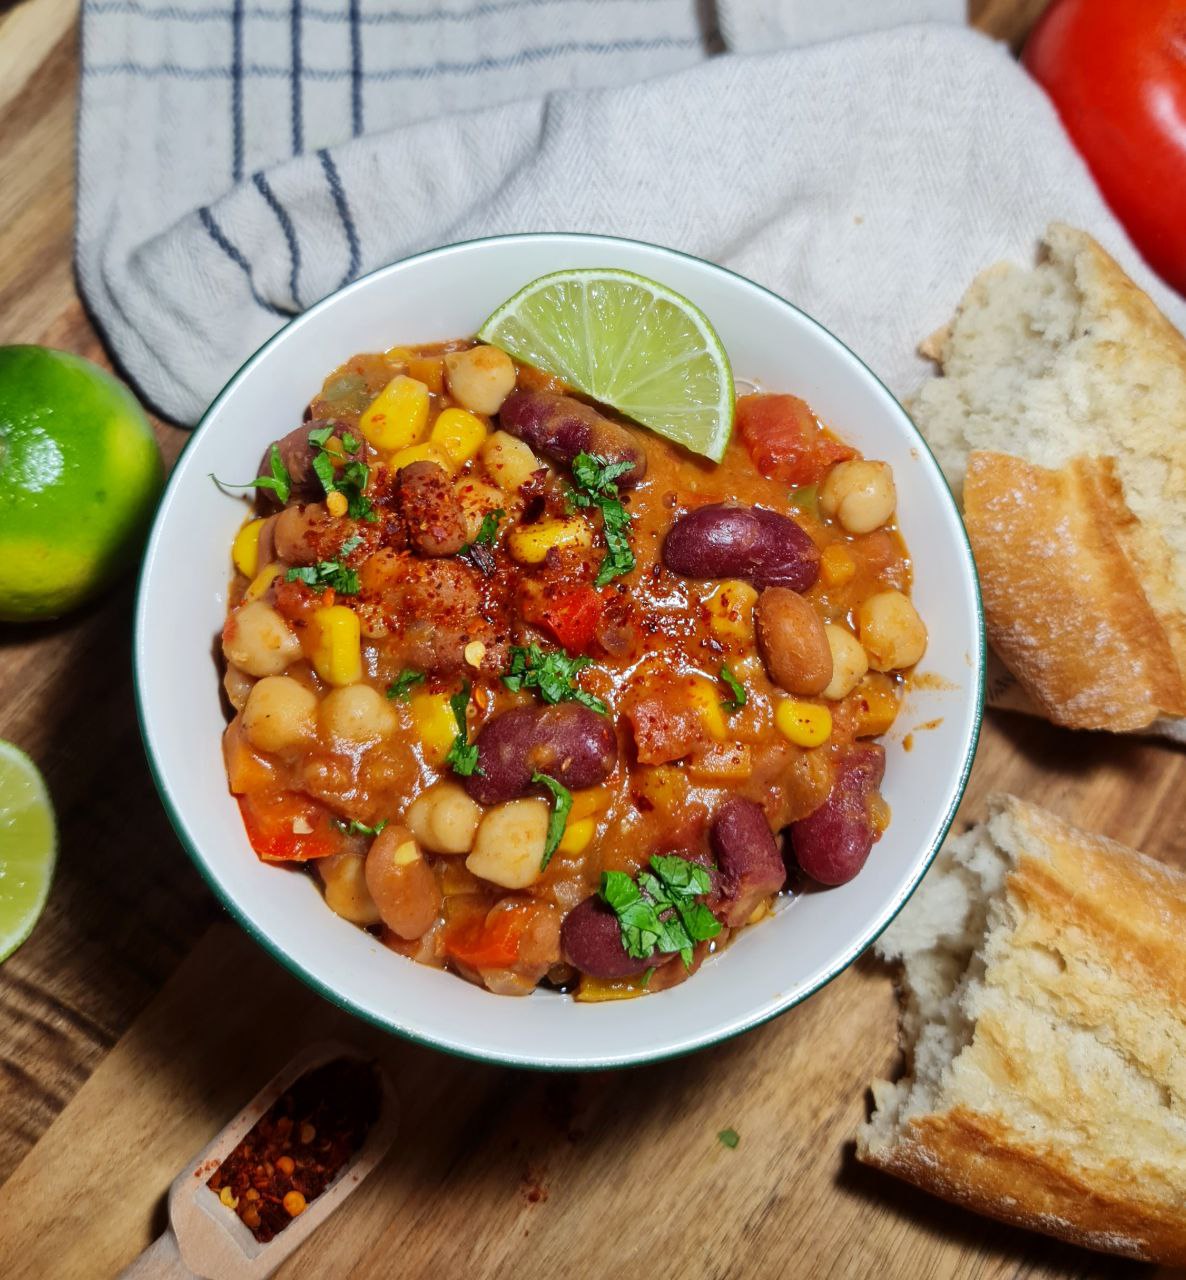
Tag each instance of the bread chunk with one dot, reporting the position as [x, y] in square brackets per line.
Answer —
[1044, 1022]
[1063, 366]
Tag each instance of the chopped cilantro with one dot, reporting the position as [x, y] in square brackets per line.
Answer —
[351, 480]
[400, 689]
[729, 1138]
[280, 482]
[330, 573]
[661, 912]
[561, 807]
[594, 478]
[736, 688]
[647, 975]
[356, 828]
[478, 552]
[552, 673]
[489, 530]
[463, 754]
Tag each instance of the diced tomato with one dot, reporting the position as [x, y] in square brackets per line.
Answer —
[572, 617]
[270, 817]
[246, 769]
[785, 439]
[488, 941]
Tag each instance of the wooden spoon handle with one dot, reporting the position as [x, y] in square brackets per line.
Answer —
[160, 1261]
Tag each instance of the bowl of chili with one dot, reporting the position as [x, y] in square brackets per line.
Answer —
[186, 589]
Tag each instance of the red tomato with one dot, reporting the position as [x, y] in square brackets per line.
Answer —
[572, 617]
[488, 942]
[1116, 71]
[269, 817]
[785, 440]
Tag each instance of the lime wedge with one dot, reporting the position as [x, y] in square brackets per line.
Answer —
[28, 846]
[630, 343]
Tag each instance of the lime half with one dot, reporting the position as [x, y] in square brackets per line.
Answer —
[630, 343]
[28, 846]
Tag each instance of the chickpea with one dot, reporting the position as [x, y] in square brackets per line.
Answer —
[259, 641]
[238, 685]
[860, 494]
[849, 662]
[480, 379]
[444, 819]
[280, 713]
[297, 533]
[346, 892]
[477, 498]
[401, 883]
[510, 843]
[357, 713]
[509, 462]
[793, 641]
[893, 634]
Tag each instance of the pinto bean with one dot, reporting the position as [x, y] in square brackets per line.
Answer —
[431, 509]
[591, 941]
[832, 843]
[793, 641]
[562, 427]
[569, 742]
[751, 866]
[297, 454]
[722, 540]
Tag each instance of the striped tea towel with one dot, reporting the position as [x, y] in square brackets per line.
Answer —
[239, 159]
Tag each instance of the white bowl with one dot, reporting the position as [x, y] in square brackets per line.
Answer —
[446, 293]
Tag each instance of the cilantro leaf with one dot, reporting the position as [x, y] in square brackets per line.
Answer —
[661, 912]
[279, 481]
[319, 436]
[561, 807]
[330, 573]
[400, 689]
[351, 480]
[489, 530]
[729, 1138]
[350, 443]
[478, 552]
[594, 477]
[356, 828]
[736, 688]
[552, 673]
[463, 754]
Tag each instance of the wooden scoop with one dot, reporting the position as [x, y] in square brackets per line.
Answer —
[206, 1239]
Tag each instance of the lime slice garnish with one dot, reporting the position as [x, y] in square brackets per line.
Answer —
[628, 342]
[28, 846]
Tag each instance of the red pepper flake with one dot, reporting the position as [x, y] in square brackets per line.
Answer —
[276, 1171]
[532, 1186]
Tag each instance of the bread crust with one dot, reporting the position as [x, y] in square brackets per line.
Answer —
[1064, 605]
[1043, 1150]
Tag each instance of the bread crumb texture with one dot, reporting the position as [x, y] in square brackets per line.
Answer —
[1044, 1023]
[1068, 366]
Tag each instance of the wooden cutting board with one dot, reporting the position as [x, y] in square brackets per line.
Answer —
[504, 1173]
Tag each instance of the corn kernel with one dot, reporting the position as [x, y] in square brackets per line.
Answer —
[262, 581]
[336, 503]
[721, 762]
[336, 641]
[294, 1203]
[245, 548]
[425, 452]
[588, 803]
[577, 836]
[435, 726]
[731, 610]
[228, 1197]
[806, 724]
[706, 698]
[530, 543]
[398, 415]
[458, 434]
[837, 565]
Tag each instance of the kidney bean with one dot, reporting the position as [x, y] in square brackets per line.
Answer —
[832, 843]
[751, 866]
[297, 455]
[562, 427]
[793, 641]
[722, 540]
[431, 510]
[591, 941]
[569, 742]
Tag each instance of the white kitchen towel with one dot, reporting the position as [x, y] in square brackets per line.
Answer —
[239, 159]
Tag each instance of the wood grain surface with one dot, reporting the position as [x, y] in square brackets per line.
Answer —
[496, 1171]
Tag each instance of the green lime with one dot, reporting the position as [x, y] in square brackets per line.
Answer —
[630, 343]
[80, 474]
[28, 846]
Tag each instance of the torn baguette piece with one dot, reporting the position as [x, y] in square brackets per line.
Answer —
[1044, 1021]
[1071, 368]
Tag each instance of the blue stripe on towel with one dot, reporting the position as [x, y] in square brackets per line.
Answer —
[355, 69]
[298, 116]
[216, 234]
[181, 13]
[237, 91]
[290, 237]
[340, 203]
